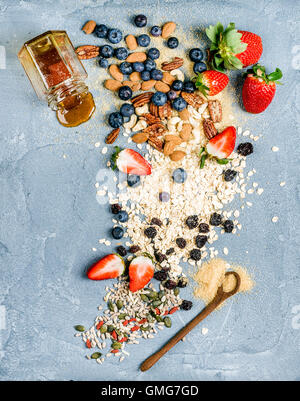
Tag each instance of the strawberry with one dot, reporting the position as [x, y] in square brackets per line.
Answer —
[111, 266]
[259, 89]
[141, 271]
[211, 82]
[130, 162]
[232, 49]
[222, 145]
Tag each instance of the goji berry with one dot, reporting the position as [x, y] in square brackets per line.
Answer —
[99, 325]
[173, 310]
[134, 328]
[88, 343]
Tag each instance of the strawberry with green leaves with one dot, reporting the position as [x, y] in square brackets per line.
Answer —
[211, 82]
[232, 49]
[259, 88]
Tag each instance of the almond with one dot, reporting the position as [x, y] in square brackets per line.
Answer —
[168, 29]
[135, 76]
[173, 138]
[184, 114]
[140, 137]
[185, 133]
[115, 72]
[135, 86]
[168, 78]
[89, 27]
[112, 84]
[87, 52]
[177, 155]
[131, 42]
[169, 148]
[162, 87]
[137, 56]
[146, 85]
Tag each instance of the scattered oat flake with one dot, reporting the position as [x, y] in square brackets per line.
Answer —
[204, 331]
[275, 219]
[275, 149]
[97, 144]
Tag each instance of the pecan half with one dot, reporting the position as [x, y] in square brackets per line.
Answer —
[150, 119]
[155, 130]
[156, 143]
[87, 51]
[215, 110]
[112, 136]
[165, 111]
[172, 65]
[209, 129]
[192, 99]
[141, 99]
[153, 110]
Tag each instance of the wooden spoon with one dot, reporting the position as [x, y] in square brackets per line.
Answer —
[220, 297]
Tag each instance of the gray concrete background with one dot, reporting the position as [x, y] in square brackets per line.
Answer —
[50, 220]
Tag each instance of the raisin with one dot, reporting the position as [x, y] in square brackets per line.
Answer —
[170, 251]
[186, 305]
[229, 175]
[195, 254]
[160, 257]
[201, 240]
[228, 226]
[245, 149]
[203, 228]
[192, 221]
[161, 275]
[181, 243]
[215, 219]
[134, 249]
[115, 208]
[121, 250]
[170, 284]
[155, 221]
[182, 282]
[150, 232]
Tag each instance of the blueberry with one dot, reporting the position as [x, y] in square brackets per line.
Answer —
[125, 93]
[164, 196]
[101, 31]
[133, 180]
[155, 31]
[115, 120]
[149, 65]
[138, 66]
[117, 232]
[121, 53]
[156, 74]
[229, 175]
[103, 62]
[177, 85]
[125, 68]
[179, 104]
[172, 43]
[189, 87]
[159, 98]
[145, 75]
[196, 54]
[143, 40]
[127, 110]
[114, 36]
[199, 67]
[122, 216]
[106, 51]
[140, 20]
[153, 53]
[179, 175]
[171, 95]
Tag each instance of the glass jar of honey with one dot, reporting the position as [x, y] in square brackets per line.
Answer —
[57, 76]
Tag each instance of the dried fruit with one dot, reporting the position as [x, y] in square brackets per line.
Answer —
[141, 99]
[195, 254]
[131, 42]
[170, 284]
[122, 252]
[115, 208]
[229, 175]
[112, 136]
[150, 232]
[209, 128]
[192, 221]
[215, 219]
[156, 221]
[201, 240]
[160, 257]
[172, 65]
[161, 275]
[186, 305]
[134, 249]
[182, 282]
[245, 149]
[215, 110]
[87, 52]
[192, 99]
[228, 226]
[177, 155]
[112, 84]
[203, 228]
[115, 72]
[168, 29]
[89, 27]
[137, 56]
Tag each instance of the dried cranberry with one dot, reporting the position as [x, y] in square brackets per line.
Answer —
[115, 208]
[170, 284]
[161, 275]
[181, 243]
[155, 221]
[134, 249]
[203, 228]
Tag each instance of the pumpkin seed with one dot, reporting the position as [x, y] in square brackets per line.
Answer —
[116, 345]
[161, 294]
[110, 328]
[153, 295]
[144, 298]
[79, 327]
[176, 291]
[158, 318]
[110, 306]
[119, 304]
[96, 355]
[103, 329]
[167, 322]
[147, 328]
[122, 316]
[156, 303]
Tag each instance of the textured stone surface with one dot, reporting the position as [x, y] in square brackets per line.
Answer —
[50, 220]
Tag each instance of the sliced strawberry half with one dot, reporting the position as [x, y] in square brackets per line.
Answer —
[111, 266]
[141, 271]
[130, 162]
[222, 145]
